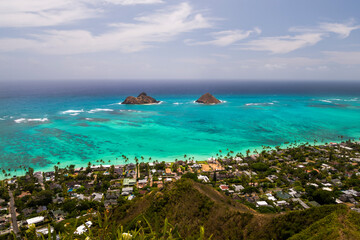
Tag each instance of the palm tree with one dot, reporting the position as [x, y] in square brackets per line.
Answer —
[137, 168]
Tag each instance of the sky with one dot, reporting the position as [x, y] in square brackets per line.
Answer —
[179, 40]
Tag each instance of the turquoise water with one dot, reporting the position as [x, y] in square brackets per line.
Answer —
[42, 131]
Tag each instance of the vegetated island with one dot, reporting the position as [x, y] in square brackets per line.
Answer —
[143, 98]
[208, 98]
[299, 192]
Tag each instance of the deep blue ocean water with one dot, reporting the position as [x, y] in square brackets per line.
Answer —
[42, 130]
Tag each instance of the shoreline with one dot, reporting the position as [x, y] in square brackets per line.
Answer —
[167, 160]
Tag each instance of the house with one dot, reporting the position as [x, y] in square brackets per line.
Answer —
[115, 185]
[35, 220]
[224, 187]
[23, 194]
[27, 211]
[83, 228]
[79, 196]
[168, 179]
[127, 190]
[261, 204]
[347, 198]
[129, 182]
[58, 214]
[281, 203]
[112, 194]
[283, 195]
[58, 199]
[41, 209]
[110, 202]
[293, 193]
[97, 196]
[44, 231]
[142, 183]
[238, 188]
[203, 178]
[54, 186]
[238, 159]
[270, 197]
[271, 178]
[300, 202]
[11, 181]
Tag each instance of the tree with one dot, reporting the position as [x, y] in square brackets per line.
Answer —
[30, 172]
[323, 197]
[190, 175]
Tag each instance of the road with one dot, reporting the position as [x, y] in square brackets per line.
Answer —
[13, 214]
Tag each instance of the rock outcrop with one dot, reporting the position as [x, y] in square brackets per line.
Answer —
[207, 98]
[143, 98]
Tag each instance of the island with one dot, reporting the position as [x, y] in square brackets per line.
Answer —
[143, 98]
[207, 98]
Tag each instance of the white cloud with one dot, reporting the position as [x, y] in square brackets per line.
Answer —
[161, 26]
[133, 2]
[271, 67]
[283, 44]
[40, 13]
[306, 37]
[342, 29]
[344, 58]
[199, 61]
[226, 38]
[44, 13]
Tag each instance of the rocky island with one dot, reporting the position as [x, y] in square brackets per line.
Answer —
[143, 98]
[207, 98]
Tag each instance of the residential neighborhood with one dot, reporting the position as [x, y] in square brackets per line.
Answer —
[271, 181]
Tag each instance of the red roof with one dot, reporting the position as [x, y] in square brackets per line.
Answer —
[224, 187]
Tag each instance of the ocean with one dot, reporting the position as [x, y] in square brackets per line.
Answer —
[41, 130]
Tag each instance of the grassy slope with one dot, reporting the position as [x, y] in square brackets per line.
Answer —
[188, 206]
[342, 224]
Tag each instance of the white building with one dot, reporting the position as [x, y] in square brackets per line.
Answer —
[203, 178]
[82, 228]
[35, 220]
[261, 204]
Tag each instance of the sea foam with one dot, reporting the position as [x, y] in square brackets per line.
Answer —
[259, 104]
[25, 120]
[100, 110]
[326, 101]
[73, 112]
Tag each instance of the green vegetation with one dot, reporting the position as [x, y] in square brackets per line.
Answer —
[230, 197]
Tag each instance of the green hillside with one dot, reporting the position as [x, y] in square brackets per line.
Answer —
[188, 206]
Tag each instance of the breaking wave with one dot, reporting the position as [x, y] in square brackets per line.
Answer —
[100, 110]
[73, 112]
[26, 120]
[260, 104]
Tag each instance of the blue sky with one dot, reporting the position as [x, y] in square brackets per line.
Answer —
[174, 39]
